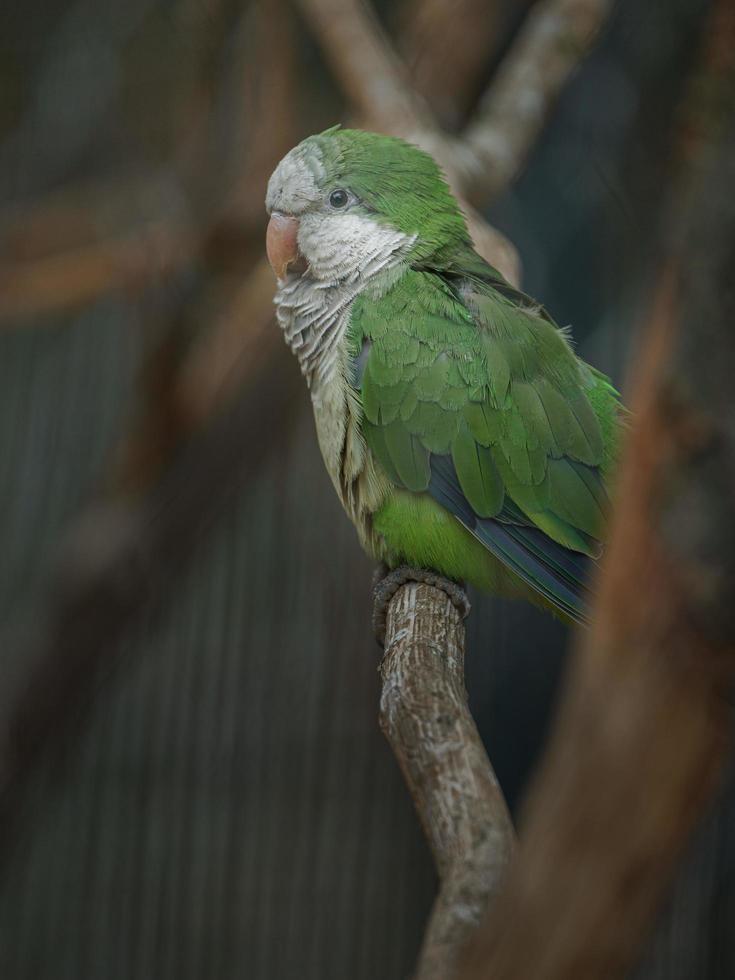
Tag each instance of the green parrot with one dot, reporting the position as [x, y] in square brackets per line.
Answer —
[459, 428]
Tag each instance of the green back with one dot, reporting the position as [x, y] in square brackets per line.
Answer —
[462, 367]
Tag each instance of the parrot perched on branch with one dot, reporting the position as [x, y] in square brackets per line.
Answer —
[460, 430]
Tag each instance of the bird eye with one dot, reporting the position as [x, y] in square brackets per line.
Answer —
[339, 198]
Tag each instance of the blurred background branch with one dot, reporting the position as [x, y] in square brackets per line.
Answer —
[644, 731]
[494, 145]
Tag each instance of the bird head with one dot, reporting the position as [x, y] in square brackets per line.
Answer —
[346, 202]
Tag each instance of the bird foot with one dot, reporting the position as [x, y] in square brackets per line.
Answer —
[387, 582]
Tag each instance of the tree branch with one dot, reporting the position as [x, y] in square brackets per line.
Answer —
[367, 68]
[79, 276]
[554, 39]
[239, 343]
[424, 714]
[490, 152]
[376, 82]
[448, 47]
[645, 725]
[479, 163]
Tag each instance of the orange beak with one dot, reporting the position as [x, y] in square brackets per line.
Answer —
[281, 244]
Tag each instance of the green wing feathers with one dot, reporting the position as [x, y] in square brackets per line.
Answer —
[456, 369]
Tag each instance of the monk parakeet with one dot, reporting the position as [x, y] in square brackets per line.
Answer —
[460, 430]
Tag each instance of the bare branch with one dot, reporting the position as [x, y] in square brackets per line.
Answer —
[424, 714]
[54, 257]
[77, 277]
[446, 47]
[556, 36]
[367, 68]
[377, 83]
[493, 148]
[234, 349]
[479, 164]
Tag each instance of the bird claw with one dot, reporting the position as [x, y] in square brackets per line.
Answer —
[387, 582]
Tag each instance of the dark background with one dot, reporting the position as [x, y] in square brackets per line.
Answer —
[228, 807]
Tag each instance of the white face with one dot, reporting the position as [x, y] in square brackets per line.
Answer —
[339, 243]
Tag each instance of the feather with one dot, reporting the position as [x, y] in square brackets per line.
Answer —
[567, 431]
[571, 499]
[534, 567]
[477, 474]
[409, 458]
[555, 572]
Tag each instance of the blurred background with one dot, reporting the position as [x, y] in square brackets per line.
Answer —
[192, 779]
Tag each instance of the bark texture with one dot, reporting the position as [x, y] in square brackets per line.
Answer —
[424, 714]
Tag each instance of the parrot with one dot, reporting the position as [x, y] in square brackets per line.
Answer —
[462, 433]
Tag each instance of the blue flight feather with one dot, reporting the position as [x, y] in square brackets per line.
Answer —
[556, 572]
